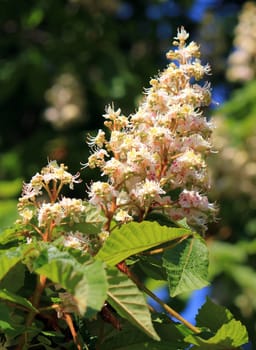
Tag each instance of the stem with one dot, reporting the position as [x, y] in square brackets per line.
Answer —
[71, 327]
[168, 309]
[123, 267]
[35, 302]
[51, 307]
[161, 250]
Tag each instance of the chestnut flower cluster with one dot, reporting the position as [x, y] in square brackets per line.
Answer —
[155, 159]
[41, 207]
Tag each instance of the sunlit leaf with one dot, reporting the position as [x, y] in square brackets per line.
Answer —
[134, 238]
[129, 302]
[224, 331]
[87, 283]
[230, 336]
[187, 266]
[10, 234]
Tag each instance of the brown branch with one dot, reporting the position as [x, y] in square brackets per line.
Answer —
[71, 327]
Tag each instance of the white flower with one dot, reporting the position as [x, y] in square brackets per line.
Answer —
[97, 141]
[26, 215]
[48, 212]
[101, 193]
[147, 191]
[76, 240]
[122, 216]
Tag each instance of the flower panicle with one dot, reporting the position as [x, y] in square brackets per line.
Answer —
[161, 148]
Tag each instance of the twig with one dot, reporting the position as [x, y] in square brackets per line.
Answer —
[71, 327]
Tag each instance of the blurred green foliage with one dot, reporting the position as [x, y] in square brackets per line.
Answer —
[234, 188]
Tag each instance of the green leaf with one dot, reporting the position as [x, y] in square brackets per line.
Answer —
[16, 299]
[10, 234]
[93, 220]
[94, 286]
[10, 257]
[8, 324]
[225, 332]
[5, 320]
[212, 316]
[14, 279]
[87, 282]
[152, 267]
[132, 339]
[134, 238]
[162, 219]
[187, 266]
[129, 302]
[230, 336]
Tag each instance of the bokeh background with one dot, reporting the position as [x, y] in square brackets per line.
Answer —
[63, 61]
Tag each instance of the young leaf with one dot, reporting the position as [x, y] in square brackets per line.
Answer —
[129, 302]
[87, 283]
[16, 299]
[187, 266]
[136, 237]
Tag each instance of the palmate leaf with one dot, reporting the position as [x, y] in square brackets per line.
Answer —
[129, 302]
[187, 265]
[134, 238]
[16, 299]
[86, 282]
